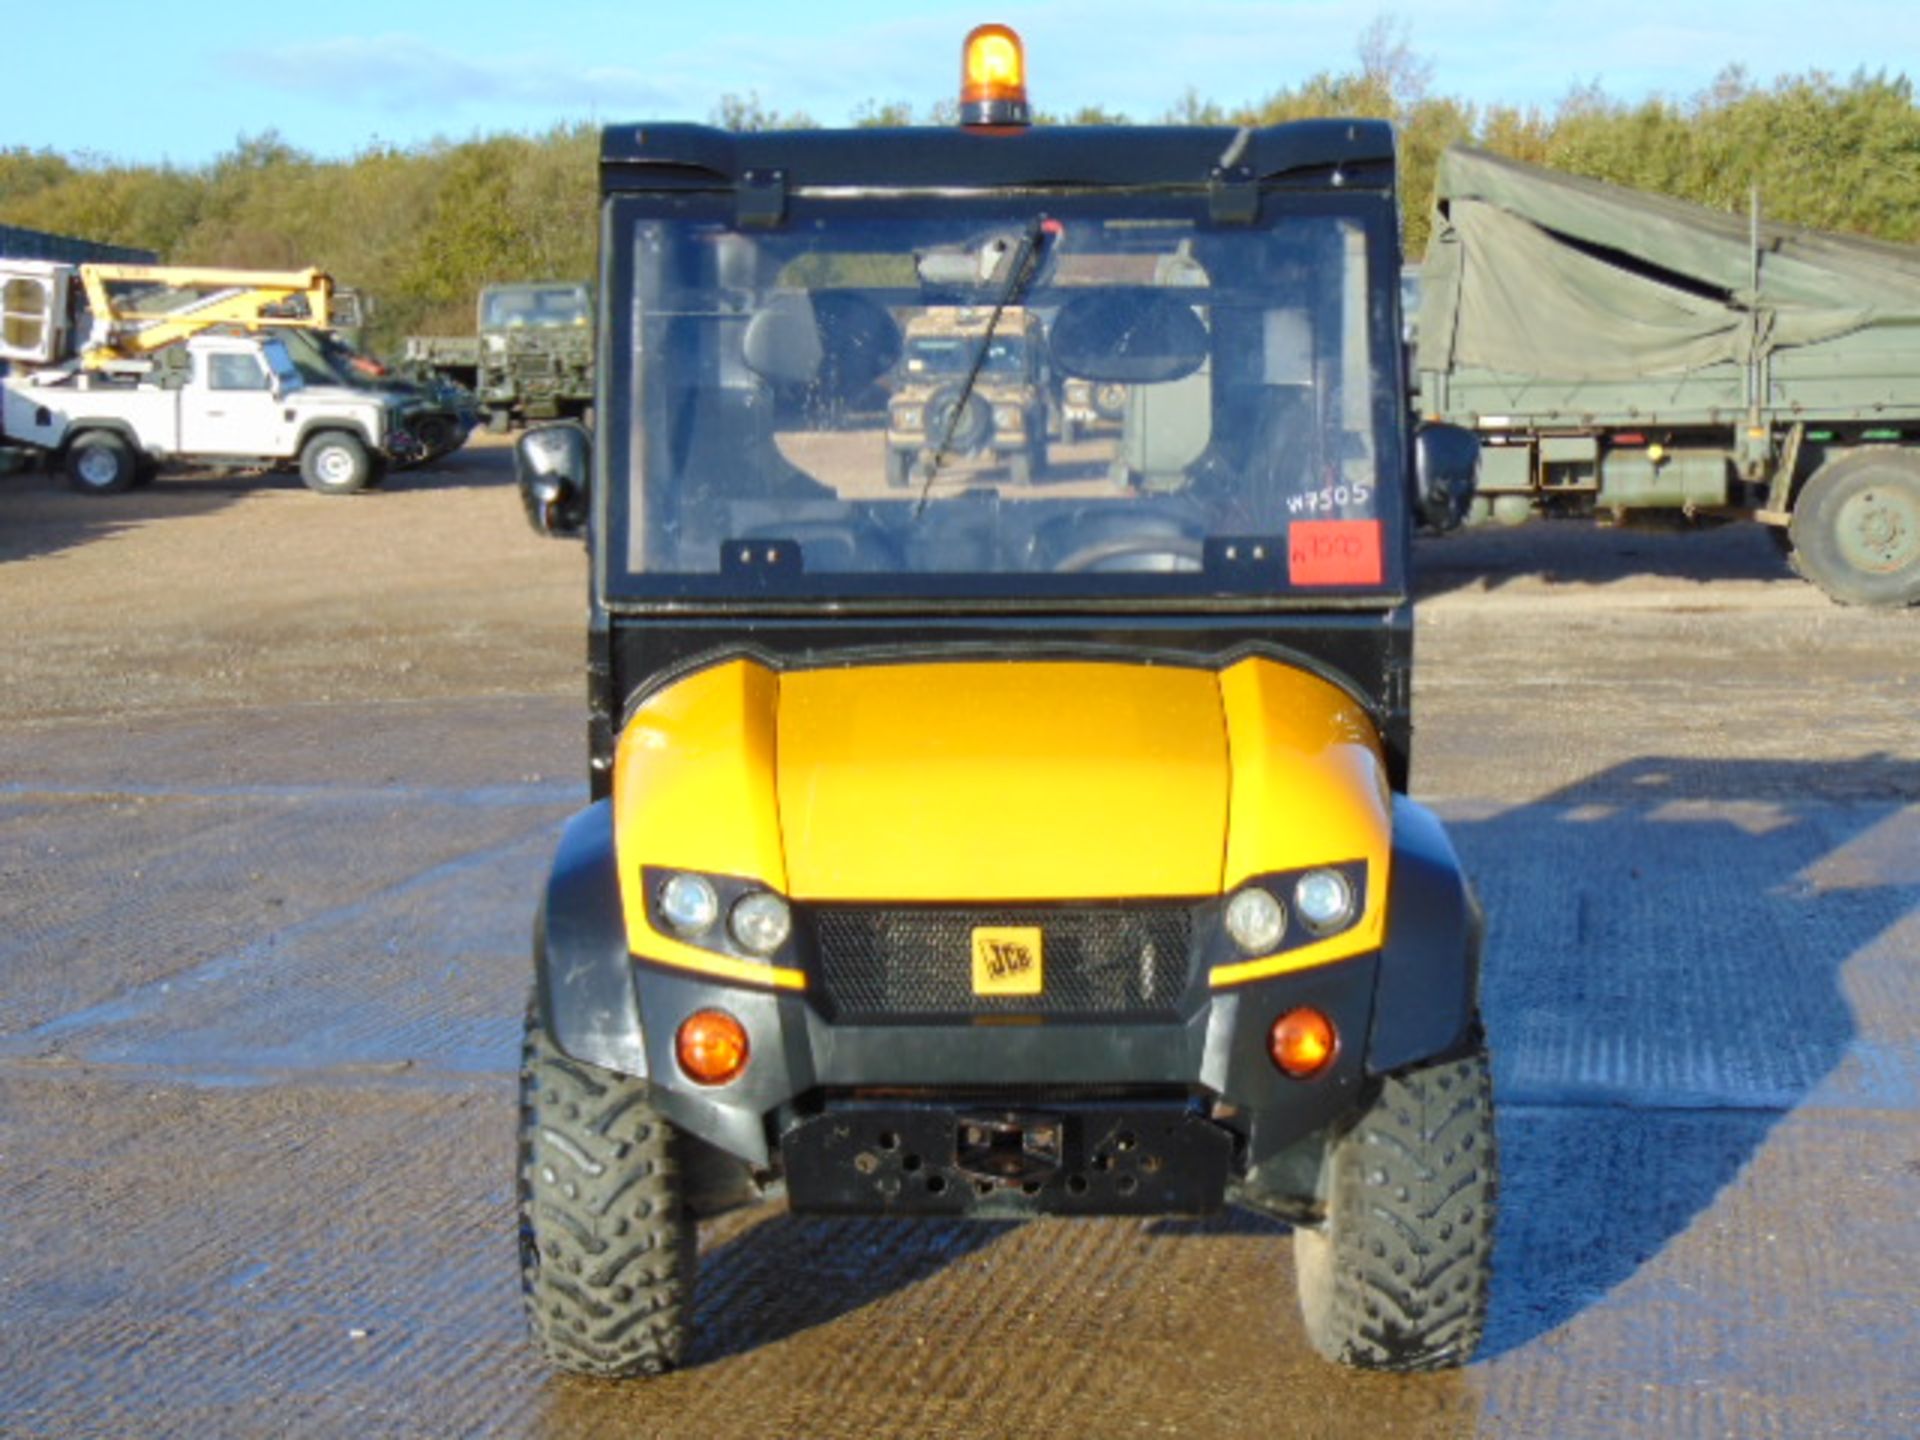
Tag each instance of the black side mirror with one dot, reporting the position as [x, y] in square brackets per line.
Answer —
[554, 463]
[1446, 464]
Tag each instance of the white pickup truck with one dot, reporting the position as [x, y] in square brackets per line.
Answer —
[215, 399]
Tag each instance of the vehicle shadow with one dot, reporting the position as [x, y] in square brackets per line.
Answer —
[786, 1275]
[1583, 551]
[1663, 984]
[484, 462]
[40, 515]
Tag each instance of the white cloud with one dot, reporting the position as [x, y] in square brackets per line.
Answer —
[403, 73]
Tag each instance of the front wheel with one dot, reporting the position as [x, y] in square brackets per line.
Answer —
[336, 463]
[1395, 1277]
[1856, 528]
[607, 1246]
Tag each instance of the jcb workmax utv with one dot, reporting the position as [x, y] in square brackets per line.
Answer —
[1007, 843]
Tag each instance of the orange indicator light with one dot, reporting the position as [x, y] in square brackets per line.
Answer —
[1303, 1042]
[711, 1047]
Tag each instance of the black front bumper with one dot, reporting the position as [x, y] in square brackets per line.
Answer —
[1093, 1157]
[1214, 1058]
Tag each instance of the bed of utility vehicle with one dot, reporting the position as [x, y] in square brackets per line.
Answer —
[1002, 845]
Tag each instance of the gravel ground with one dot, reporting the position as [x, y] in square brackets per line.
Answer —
[279, 778]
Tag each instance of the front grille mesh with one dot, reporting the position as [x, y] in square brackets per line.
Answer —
[878, 962]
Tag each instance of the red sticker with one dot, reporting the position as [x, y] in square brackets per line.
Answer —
[1333, 552]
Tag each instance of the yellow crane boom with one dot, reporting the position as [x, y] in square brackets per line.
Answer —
[138, 309]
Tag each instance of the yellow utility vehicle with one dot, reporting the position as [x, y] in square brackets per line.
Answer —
[991, 849]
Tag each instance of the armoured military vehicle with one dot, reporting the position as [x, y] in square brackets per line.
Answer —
[1622, 352]
[989, 849]
[965, 396]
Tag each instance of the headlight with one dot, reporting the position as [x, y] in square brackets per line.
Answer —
[908, 417]
[1006, 417]
[1324, 899]
[1256, 921]
[689, 904]
[760, 922]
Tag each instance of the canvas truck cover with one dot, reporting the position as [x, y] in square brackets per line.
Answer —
[1537, 273]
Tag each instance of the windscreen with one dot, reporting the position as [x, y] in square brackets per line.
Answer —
[544, 307]
[278, 361]
[1058, 404]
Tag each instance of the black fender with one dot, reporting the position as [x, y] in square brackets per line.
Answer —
[590, 1005]
[582, 970]
[1427, 988]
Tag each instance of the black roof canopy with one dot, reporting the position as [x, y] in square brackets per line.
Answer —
[700, 157]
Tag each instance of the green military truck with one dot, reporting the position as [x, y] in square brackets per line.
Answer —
[1620, 352]
[531, 357]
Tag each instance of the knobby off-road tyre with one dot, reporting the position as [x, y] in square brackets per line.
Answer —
[335, 462]
[1856, 528]
[101, 462]
[607, 1248]
[1396, 1276]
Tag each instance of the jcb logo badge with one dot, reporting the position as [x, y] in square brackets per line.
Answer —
[1008, 961]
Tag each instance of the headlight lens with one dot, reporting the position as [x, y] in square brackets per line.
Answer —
[1324, 899]
[1256, 921]
[689, 904]
[760, 922]
[1006, 417]
[908, 417]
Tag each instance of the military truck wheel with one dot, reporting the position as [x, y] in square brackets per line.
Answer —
[899, 469]
[1856, 528]
[101, 462]
[1395, 1276]
[607, 1250]
[335, 463]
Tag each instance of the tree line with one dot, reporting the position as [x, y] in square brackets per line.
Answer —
[422, 228]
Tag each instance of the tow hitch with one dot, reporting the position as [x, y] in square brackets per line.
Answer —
[1010, 1148]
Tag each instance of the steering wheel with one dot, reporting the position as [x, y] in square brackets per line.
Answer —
[1186, 554]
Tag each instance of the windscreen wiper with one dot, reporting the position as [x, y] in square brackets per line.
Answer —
[1026, 264]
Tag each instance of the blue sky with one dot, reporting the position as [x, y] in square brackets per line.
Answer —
[146, 81]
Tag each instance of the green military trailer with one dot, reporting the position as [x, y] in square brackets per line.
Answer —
[1620, 352]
